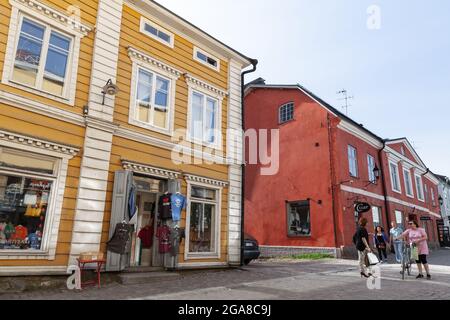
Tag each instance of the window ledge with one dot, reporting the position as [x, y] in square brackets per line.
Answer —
[150, 127]
[199, 256]
[24, 255]
[397, 191]
[21, 86]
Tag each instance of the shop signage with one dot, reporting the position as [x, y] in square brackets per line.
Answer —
[362, 207]
[425, 218]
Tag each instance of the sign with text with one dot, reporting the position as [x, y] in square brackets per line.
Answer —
[362, 207]
[425, 218]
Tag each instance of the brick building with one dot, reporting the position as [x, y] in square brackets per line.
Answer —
[328, 163]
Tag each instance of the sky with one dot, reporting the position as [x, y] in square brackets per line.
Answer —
[392, 56]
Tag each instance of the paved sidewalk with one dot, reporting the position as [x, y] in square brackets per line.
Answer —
[292, 280]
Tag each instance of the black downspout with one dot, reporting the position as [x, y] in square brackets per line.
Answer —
[383, 184]
[254, 63]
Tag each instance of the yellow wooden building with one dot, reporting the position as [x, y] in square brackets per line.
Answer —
[107, 106]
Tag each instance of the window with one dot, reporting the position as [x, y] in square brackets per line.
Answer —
[26, 184]
[206, 59]
[433, 197]
[419, 188]
[152, 99]
[395, 178]
[299, 220]
[42, 58]
[204, 126]
[156, 32]
[399, 218]
[352, 161]
[203, 220]
[408, 183]
[286, 113]
[370, 168]
[376, 216]
[425, 193]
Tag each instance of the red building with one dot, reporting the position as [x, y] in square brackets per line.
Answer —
[328, 163]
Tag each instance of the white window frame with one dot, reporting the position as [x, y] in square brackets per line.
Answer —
[433, 197]
[143, 61]
[280, 110]
[196, 58]
[352, 174]
[419, 187]
[376, 210]
[371, 164]
[53, 21]
[407, 172]
[399, 190]
[62, 155]
[217, 236]
[144, 21]
[196, 85]
[399, 214]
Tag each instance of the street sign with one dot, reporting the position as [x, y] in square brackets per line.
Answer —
[425, 218]
[362, 207]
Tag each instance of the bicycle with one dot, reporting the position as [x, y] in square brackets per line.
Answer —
[406, 259]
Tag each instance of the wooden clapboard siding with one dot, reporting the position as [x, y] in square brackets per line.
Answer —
[180, 57]
[88, 15]
[45, 128]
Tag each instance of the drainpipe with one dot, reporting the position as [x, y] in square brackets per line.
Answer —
[254, 63]
[383, 184]
[333, 181]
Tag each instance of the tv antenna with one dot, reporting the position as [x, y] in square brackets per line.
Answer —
[345, 98]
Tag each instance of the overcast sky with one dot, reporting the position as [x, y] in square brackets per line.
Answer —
[399, 74]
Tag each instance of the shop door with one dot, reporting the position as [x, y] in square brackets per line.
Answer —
[157, 258]
[119, 213]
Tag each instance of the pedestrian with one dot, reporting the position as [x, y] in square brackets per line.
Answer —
[381, 243]
[361, 240]
[395, 233]
[417, 238]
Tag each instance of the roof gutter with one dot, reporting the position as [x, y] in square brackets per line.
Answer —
[254, 63]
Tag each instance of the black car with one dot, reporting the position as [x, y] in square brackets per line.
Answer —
[251, 249]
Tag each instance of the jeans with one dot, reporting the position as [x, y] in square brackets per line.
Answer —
[398, 247]
[381, 252]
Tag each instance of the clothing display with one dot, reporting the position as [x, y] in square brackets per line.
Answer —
[132, 208]
[175, 238]
[178, 203]
[163, 235]
[2, 232]
[20, 233]
[119, 241]
[146, 236]
[9, 231]
[164, 207]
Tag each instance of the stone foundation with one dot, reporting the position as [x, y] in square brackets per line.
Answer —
[276, 251]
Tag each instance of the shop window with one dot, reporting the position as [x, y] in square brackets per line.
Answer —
[25, 193]
[376, 216]
[299, 219]
[204, 210]
[399, 218]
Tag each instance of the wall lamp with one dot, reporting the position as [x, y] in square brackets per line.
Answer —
[109, 89]
[319, 202]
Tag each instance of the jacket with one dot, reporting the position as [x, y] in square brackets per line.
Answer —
[385, 238]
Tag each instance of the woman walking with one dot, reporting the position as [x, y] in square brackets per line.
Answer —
[361, 239]
[418, 237]
[381, 240]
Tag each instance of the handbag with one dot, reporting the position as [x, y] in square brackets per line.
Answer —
[414, 253]
[373, 260]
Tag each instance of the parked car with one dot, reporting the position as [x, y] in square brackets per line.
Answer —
[251, 249]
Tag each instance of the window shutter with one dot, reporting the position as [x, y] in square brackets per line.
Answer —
[119, 213]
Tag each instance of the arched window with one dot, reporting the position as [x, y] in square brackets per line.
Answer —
[286, 112]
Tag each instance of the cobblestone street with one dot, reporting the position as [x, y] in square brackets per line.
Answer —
[324, 279]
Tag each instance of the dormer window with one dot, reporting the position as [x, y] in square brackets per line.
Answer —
[206, 59]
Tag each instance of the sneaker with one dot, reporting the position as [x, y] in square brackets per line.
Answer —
[428, 277]
[420, 276]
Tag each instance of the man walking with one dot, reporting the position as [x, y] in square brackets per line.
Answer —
[395, 233]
